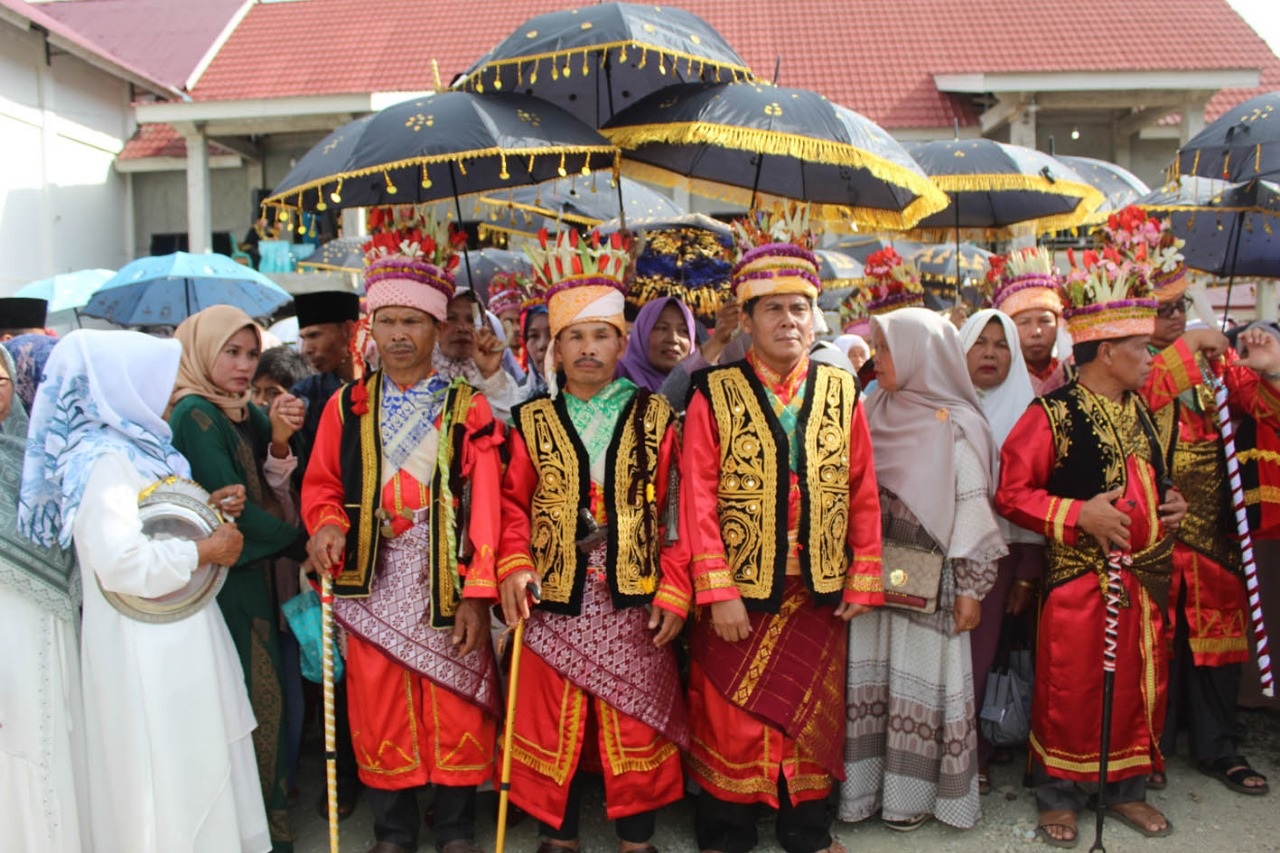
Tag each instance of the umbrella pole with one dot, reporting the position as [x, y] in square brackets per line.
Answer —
[1238, 225]
[457, 208]
[755, 183]
[186, 290]
[608, 88]
[956, 202]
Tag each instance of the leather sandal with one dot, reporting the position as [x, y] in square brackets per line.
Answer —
[1233, 771]
[1061, 819]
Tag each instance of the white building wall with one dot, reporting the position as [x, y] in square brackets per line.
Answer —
[62, 206]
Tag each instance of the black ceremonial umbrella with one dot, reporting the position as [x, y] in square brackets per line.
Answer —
[1229, 229]
[1119, 186]
[595, 61]
[1243, 144]
[439, 146]
[994, 187]
[742, 141]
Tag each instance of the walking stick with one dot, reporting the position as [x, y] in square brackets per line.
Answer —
[1223, 415]
[330, 730]
[1110, 644]
[509, 727]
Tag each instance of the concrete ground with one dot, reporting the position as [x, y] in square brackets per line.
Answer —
[1208, 818]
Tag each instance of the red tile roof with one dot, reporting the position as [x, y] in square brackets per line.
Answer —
[160, 140]
[74, 40]
[876, 56]
[165, 37]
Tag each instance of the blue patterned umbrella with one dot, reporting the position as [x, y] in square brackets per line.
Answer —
[166, 289]
[66, 291]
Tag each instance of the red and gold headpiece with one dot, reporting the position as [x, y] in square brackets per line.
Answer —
[409, 261]
[583, 277]
[775, 254]
[893, 282]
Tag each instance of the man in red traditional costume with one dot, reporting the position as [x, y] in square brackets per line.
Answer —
[780, 506]
[386, 500]
[582, 514]
[1024, 285]
[1206, 621]
[1084, 466]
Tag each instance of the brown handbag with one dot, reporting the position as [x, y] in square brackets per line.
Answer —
[912, 576]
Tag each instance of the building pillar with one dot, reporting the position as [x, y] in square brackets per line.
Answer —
[1022, 127]
[1265, 307]
[1192, 121]
[199, 194]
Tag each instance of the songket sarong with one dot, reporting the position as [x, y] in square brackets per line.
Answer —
[770, 704]
[420, 712]
[602, 661]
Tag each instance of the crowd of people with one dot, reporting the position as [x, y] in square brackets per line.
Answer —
[763, 570]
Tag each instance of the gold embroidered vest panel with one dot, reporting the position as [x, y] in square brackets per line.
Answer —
[564, 482]
[755, 481]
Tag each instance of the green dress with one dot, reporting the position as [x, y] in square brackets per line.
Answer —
[221, 454]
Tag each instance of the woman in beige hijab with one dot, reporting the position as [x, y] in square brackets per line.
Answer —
[230, 441]
[911, 729]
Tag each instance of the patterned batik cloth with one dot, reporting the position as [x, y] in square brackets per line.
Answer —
[408, 426]
[610, 654]
[395, 618]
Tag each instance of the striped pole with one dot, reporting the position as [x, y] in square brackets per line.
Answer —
[1246, 540]
[1110, 646]
[330, 730]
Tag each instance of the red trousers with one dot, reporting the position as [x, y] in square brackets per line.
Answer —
[559, 725]
[737, 758]
[407, 731]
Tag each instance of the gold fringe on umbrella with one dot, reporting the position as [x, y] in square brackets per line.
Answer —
[294, 197]
[1088, 198]
[559, 63]
[928, 200]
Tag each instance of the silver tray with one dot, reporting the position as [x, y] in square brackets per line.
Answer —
[175, 509]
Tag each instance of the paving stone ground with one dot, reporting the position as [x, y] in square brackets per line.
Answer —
[1207, 817]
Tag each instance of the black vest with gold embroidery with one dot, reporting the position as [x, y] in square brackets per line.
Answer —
[1091, 453]
[564, 483]
[360, 453]
[1200, 473]
[755, 481]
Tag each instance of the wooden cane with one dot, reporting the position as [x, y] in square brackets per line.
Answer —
[1110, 645]
[1246, 539]
[330, 730]
[509, 727]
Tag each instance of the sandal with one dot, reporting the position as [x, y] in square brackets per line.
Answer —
[984, 783]
[1157, 781]
[1233, 771]
[911, 824]
[1137, 824]
[1061, 819]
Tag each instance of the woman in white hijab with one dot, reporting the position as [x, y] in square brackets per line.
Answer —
[999, 373]
[935, 465]
[168, 723]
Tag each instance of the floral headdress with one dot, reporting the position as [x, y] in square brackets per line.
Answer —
[1151, 243]
[775, 254]
[583, 277]
[410, 260]
[892, 282]
[507, 292]
[1025, 280]
[853, 311]
[1107, 295]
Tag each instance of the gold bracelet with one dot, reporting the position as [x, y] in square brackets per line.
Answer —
[1023, 582]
